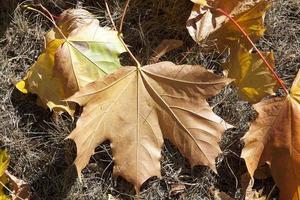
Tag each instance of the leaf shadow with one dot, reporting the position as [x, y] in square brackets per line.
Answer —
[58, 177]
[51, 173]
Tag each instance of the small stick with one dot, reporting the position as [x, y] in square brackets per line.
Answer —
[123, 16]
[130, 53]
[120, 33]
[49, 18]
[110, 17]
[281, 83]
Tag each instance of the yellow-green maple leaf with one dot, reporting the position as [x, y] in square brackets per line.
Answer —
[78, 52]
[252, 77]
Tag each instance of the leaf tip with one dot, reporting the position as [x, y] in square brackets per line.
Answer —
[21, 86]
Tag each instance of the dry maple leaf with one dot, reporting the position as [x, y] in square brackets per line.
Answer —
[78, 52]
[163, 48]
[200, 2]
[252, 77]
[4, 162]
[206, 23]
[274, 137]
[19, 189]
[136, 108]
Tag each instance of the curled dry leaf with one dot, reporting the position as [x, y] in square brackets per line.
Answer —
[247, 188]
[77, 52]
[274, 137]
[206, 23]
[20, 189]
[164, 47]
[136, 108]
[218, 195]
[4, 180]
[200, 2]
[252, 77]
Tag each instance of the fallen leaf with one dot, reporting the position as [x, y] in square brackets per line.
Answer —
[18, 188]
[200, 2]
[220, 195]
[274, 137]
[176, 189]
[136, 108]
[247, 188]
[252, 77]
[111, 197]
[164, 47]
[206, 23]
[77, 53]
[4, 180]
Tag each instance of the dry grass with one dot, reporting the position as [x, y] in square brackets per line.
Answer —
[39, 154]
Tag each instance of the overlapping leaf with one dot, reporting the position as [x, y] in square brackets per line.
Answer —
[77, 53]
[4, 162]
[274, 137]
[18, 188]
[137, 108]
[200, 2]
[206, 23]
[252, 77]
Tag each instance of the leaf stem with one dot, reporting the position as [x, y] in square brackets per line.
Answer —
[120, 31]
[130, 53]
[109, 14]
[123, 16]
[281, 83]
[51, 19]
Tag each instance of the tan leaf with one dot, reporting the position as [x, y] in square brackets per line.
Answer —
[247, 188]
[164, 47]
[20, 188]
[177, 188]
[4, 180]
[77, 53]
[137, 108]
[200, 2]
[206, 23]
[218, 195]
[252, 77]
[274, 137]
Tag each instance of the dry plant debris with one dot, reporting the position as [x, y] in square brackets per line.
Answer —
[17, 189]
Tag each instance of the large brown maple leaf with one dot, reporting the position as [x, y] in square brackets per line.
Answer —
[136, 108]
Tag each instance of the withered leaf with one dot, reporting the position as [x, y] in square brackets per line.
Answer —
[136, 108]
[252, 77]
[274, 137]
[206, 23]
